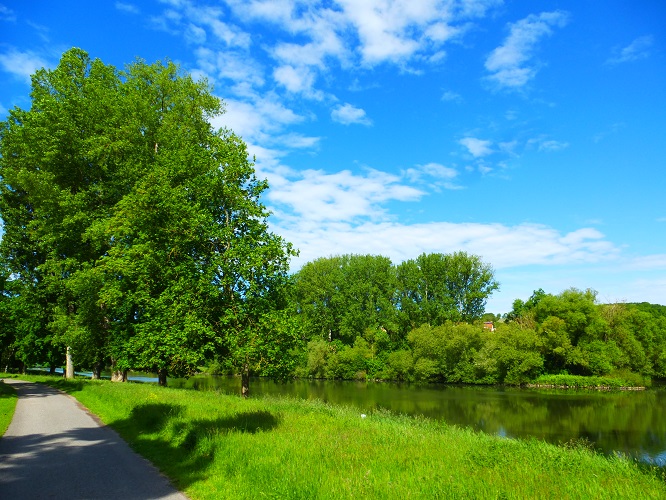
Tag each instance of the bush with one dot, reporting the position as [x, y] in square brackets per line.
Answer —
[400, 366]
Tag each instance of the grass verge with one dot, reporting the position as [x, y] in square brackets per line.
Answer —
[7, 406]
[219, 446]
[588, 382]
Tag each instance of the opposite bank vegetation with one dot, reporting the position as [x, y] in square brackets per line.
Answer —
[217, 446]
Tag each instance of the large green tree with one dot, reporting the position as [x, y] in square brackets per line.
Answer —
[141, 221]
[55, 162]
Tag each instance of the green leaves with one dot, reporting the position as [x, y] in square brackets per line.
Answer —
[142, 222]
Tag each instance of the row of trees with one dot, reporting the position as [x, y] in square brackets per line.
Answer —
[342, 297]
[547, 334]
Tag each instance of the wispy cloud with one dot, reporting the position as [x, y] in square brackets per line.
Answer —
[348, 114]
[478, 148]
[636, 50]
[544, 144]
[186, 17]
[21, 64]
[127, 7]
[229, 66]
[7, 14]
[341, 197]
[433, 175]
[450, 96]
[258, 118]
[509, 64]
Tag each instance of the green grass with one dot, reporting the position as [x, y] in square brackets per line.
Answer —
[7, 406]
[587, 382]
[219, 446]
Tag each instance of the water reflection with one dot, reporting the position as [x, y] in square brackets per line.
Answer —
[630, 423]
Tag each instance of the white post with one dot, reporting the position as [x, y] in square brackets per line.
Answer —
[69, 369]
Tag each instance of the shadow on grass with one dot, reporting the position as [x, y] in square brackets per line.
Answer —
[6, 391]
[184, 449]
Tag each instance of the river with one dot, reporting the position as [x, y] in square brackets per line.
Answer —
[631, 422]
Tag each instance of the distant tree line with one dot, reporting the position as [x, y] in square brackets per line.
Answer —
[368, 319]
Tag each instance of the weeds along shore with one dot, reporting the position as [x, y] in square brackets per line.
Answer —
[219, 446]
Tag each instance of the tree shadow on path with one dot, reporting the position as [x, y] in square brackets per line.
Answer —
[80, 463]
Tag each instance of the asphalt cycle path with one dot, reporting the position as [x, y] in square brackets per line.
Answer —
[55, 449]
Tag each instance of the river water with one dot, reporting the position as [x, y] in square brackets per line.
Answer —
[627, 422]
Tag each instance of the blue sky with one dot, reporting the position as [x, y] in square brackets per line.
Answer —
[532, 134]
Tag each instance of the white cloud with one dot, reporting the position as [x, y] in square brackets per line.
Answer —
[127, 7]
[298, 80]
[501, 245]
[381, 27]
[195, 34]
[348, 114]
[314, 196]
[553, 145]
[636, 50]
[543, 144]
[258, 118]
[188, 18]
[376, 31]
[434, 175]
[478, 148]
[451, 96]
[7, 14]
[507, 63]
[21, 64]
[229, 64]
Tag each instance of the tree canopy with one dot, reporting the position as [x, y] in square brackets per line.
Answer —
[134, 225]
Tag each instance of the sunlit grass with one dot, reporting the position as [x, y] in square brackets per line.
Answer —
[220, 446]
[7, 406]
[581, 382]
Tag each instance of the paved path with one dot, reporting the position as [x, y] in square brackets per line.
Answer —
[55, 449]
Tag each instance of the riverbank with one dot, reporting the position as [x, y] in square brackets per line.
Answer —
[219, 446]
[628, 382]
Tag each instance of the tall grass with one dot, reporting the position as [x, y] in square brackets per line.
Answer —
[7, 406]
[587, 382]
[220, 446]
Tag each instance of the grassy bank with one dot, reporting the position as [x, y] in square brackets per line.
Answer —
[7, 405]
[590, 382]
[217, 446]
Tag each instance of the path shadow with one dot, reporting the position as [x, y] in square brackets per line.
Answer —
[32, 389]
[80, 463]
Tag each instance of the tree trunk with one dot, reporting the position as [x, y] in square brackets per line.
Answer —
[116, 374]
[162, 378]
[69, 368]
[119, 376]
[245, 381]
[97, 371]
